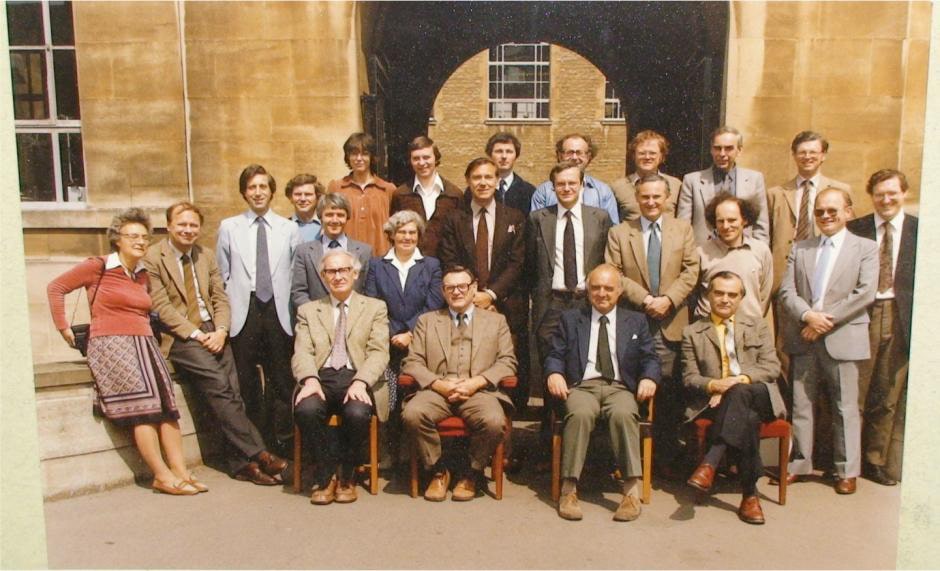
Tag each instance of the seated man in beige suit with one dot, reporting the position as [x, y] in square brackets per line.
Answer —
[340, 353]
[458, 356]
[730, 372]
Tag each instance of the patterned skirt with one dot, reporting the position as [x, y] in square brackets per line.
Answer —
[132, 382]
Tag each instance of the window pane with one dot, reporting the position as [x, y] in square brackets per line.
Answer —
[34, 155]
[72, 166]
[60, 14]
[519, 73]
[30, 99]
[518, 91]
[66, 84]
[519, 53]
[24, 23]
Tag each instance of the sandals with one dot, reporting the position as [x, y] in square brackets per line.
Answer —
[200, 487]
[180, 488]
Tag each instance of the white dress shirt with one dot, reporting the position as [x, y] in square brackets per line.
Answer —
[897, 223]
[342, 239]
[591, 370]
[403, 267]
[467, 314]
[429, 195]
[558, 275]
[837, 239]
[203, 311]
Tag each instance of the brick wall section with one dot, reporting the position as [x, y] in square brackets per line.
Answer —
[461, 128]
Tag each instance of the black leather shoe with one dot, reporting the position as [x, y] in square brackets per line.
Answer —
[878, 475]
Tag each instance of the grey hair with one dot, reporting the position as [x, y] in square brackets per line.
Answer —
[123, 218]
[332, 253]
[333, 200]
[401, 218]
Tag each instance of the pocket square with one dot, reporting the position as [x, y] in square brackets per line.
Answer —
[634, 336]
[512, 229]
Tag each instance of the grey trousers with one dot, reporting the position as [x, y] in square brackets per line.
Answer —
[618, 407]
[841, 379]
[483, 413]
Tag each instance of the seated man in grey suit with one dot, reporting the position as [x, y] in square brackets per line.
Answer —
[825, 293]
[602, 363]
[334, 211]
[188, 295]
[340, 353]
[458, 356]
[730, 370]
[698, 188]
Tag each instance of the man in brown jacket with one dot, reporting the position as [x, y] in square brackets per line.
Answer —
[188, 295]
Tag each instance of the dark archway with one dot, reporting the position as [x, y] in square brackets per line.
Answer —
[666, 59]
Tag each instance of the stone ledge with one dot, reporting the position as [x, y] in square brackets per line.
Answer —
[62, 215]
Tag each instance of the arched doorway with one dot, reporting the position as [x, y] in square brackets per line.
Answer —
[665, 60]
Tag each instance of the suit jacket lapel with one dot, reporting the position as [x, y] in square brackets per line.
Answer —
[707, 186]
[591, 236]
[712, 336]
[466, 238]
[841, 263]
[442, 325]
[168, 259]
[639, 253]
[243, 239]
[548, 222]
[584, 338]
[500, 234]
[622, 339]
[276, 241]
[316, 254]
[789, 193]
[325, 314]
[202, 274]
[355, 312]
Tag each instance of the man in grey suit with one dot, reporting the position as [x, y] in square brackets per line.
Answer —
[307, 284]
[564, 242]
[698, 188]
[254, 253]
[829, 283]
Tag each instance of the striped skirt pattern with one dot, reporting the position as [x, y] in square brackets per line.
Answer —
[132, 382]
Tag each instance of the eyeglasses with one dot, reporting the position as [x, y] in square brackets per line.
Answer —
[806, 154]
[333, 272]
[575, 153]
[136, 237]
[826, 211]
[462, 288]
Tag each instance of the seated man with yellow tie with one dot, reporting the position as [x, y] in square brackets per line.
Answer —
[340, 353]
[730, 371]
[458, 356]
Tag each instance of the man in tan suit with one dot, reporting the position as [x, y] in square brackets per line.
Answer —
[188, 295]
[730, 370]
[340, 354]
[660, 266]
[791, 206]
[648, 151]
[458, 356]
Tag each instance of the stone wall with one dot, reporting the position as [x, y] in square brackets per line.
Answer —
[461, 128]
[855, 71]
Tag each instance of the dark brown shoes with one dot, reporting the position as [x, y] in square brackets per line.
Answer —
[845, 486]
[702, 478]
[437, 488]
[791, 479]
[878, 475]
[271, 464]
[324, 495]
[252, 473]
[750, 511]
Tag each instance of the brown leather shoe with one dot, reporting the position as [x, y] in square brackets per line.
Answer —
[702, 478]
[272, 464]
[569, 508]
[750, 510]
[465, 490]
[629, 508]
[791, 479]
[845, 486]
[346, 492]
[252, 473]
[325, 494]
[437, 488]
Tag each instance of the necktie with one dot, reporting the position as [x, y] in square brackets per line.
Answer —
[264, 290]
[333, 244]
[570, 258]
[192, 305]
[733, 366]
[804, 223]
[482, 251]
[821, 265]
[886, 260]
[501, 193]
[653, 256]
[605, 364]
[338, 355]
[461, 322]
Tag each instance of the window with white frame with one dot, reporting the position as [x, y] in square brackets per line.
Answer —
[45, 101]
[519, 81]
[612, 107]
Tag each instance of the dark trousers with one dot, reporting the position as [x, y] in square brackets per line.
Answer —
[557, 304]
[344, 445]
[670, 405]
[214, 376]
[516, 310]
[736, 424]
[263, 342]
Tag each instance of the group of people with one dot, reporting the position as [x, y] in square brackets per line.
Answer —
[703, 293]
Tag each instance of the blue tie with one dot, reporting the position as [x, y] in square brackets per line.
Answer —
[653, 255]
[821, 265]
[264, 290]
[501, 193]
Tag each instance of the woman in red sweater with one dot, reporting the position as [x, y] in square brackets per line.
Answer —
[131, 378]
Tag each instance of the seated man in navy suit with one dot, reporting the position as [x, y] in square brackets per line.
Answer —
[602, 363]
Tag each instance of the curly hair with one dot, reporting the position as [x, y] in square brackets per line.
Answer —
[132, 215]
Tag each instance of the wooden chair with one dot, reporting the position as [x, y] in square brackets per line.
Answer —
[646, 439]
[779, 429]
[337, 421]
[454, 427]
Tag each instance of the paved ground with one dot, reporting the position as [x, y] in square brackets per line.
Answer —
[238, 525]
